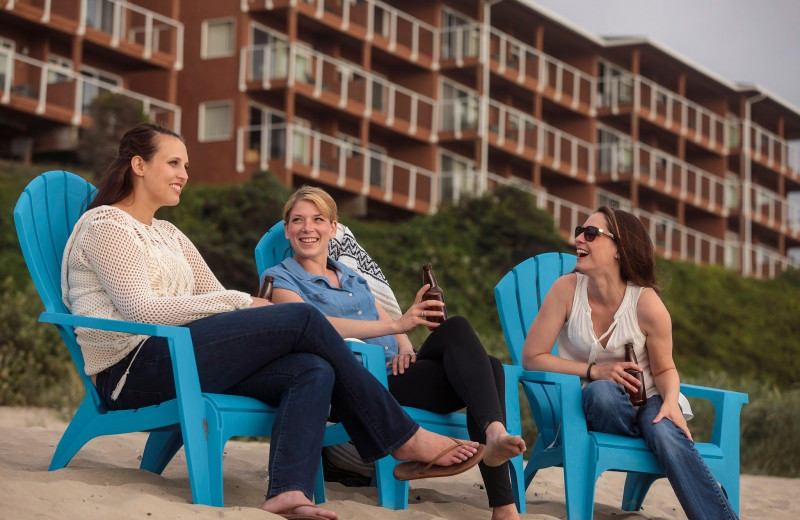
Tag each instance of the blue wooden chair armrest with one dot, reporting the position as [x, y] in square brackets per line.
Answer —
[727, 410]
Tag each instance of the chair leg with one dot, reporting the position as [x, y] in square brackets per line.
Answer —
[159, 450]
[579, 482]
[392, 493]
[636, 487]
[518, 482]
[319, 489]
[79, 432]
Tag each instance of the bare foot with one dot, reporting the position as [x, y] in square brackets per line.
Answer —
[424, 446]
[296, 503]
[500, 446]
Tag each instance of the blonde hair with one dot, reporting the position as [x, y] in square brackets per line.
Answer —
[318, 196]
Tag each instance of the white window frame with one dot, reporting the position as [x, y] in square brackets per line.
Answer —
[204, 51]
[201, 121]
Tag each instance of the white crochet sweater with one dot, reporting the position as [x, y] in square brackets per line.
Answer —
[119, 268]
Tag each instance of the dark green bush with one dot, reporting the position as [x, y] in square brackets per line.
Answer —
[35, 367]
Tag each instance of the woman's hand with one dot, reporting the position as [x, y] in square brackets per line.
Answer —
[402, 361]
[419, 311]
[616, 372]
[259, 302]
[672, 411]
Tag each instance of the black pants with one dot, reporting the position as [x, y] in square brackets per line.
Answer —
[452, 371]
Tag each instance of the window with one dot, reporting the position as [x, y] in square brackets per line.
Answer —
[100, 15]
[268, 51]
[377, 166]
[96, 82]
[6, 60]
[267, 131]
[215, 121]
[217, 38]
[458, 178]
[459, 36]
[459, 107]
[734, 139]
[58, 62]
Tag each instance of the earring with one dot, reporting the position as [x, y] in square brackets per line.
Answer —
[616, 256]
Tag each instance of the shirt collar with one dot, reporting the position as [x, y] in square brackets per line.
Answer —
[294, 267]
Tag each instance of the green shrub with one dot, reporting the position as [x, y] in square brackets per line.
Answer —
[35, 367]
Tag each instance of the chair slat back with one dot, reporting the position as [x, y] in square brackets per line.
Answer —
[520, 294]
[272, 248]
[44, 216]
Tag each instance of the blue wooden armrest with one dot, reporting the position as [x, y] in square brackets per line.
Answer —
[727, 409]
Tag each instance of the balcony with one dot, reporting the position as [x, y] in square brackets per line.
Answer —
[388, 28]
[63, 95]
[774, 152]
[520, 63]
[768, 263]
[662, 172]
[338, 84]
[664, 108]
[528, 66]
[521, 134]
[134, 30]
[775, 212]
[124, 26]
[336, 162]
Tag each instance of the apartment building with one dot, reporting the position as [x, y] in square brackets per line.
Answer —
[399, 107]
[57, 56]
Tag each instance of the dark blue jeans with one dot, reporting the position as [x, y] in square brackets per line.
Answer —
[283, 355]
[608, 409]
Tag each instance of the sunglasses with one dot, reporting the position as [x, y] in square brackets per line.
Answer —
[591, 232]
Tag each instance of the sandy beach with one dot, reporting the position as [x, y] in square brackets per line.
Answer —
[103, 481]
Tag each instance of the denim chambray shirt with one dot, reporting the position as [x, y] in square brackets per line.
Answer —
[353, 300]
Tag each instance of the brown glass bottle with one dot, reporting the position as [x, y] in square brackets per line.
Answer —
[265, 291]
[638, 397]
[434, 292]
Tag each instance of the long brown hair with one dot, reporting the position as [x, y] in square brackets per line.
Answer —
[637, 254]
[117, 181]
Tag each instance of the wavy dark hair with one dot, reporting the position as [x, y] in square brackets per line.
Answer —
[637, 254]
[117, 181]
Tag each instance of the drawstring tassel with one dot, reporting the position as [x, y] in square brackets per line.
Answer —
[121, 383]
[119, 386]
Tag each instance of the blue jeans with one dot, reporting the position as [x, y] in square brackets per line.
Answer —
[608, 409]
[288, 356]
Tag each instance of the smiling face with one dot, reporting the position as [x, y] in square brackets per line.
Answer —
[598, 253]
[164, 175]
[309, 231]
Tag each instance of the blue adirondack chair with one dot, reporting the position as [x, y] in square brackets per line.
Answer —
[393, 494]
[555, 400]
[44, 217]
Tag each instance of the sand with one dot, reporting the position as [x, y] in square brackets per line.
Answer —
[103, 481]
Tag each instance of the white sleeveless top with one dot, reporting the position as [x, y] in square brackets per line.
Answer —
[577, 340]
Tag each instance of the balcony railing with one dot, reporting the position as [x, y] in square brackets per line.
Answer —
[667, 106]
[382, 100]
[130, 23]
[530, 136]
[310, 152]
[767, 263]
[774, 151]
[663, 172]
[530, 63]
[770, 209]
[384, 25]
[53, 91]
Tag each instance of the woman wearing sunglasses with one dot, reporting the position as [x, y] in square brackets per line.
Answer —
[609, 300]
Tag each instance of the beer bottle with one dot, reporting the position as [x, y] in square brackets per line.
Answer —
[265, 291]
[434, 292]
[638, 397]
